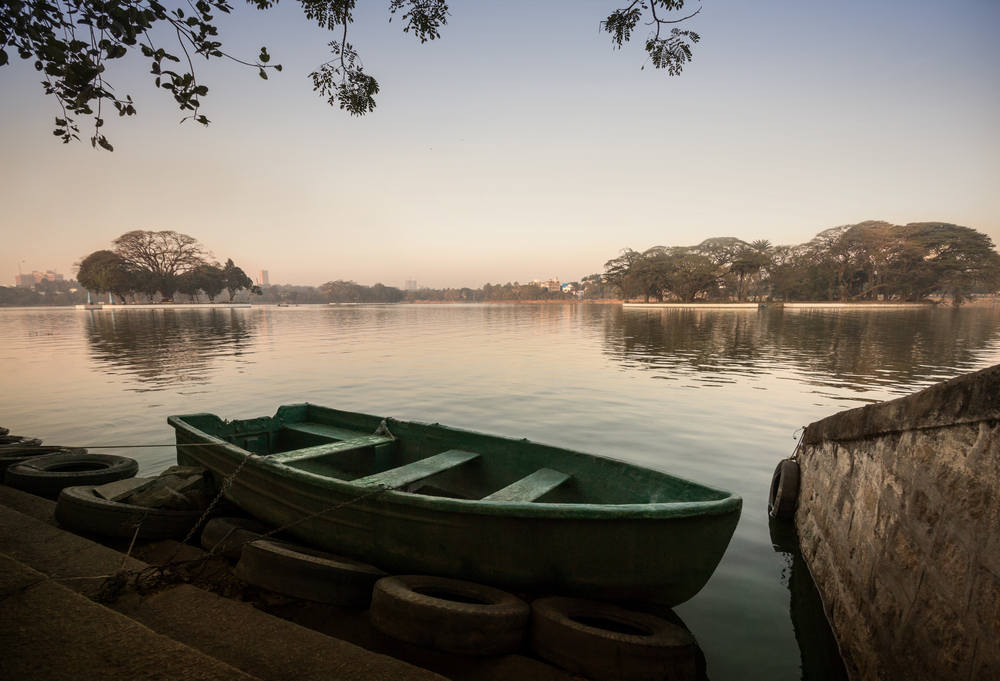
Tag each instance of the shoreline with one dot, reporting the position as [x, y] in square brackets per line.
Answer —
[162, 306]
[981, 301]
[749, 306]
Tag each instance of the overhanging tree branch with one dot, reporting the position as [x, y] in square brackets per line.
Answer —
[72, 41]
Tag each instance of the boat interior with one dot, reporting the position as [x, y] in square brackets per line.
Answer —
[437, 461]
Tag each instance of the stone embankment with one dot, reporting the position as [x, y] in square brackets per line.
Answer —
[899, 520]
[57, 621]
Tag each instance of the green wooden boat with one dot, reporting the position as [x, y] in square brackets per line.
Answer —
[514, 514]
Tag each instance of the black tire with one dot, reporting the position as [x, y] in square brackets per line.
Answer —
[606, 643]
[449, 615]
[81, 510]
[7, 441]
[784, 494]
[15, 454]
[306, 573]
[234, 532]
[46, 476]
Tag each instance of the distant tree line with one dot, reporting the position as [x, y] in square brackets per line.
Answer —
[511, 292]
[350, 292]
[45, 292]
[144, 265]
[870, 261]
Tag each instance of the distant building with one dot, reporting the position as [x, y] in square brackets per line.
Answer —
[262, 279]
[27, 280]
[411, 284]
[551, 284]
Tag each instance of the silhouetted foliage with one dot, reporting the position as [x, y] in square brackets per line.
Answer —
[72, 42]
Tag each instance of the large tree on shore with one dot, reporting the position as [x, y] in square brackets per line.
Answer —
[958, 258]
[106, 272]
[234, 279]
[164, 254]
[619, 274]
[71, 43]
[211, 279]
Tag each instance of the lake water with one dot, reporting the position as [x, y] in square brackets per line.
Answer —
[712, 395]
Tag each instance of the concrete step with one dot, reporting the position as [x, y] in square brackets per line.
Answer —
[51, 633]
[233, 634]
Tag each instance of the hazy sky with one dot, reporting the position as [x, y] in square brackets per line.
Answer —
[522, 146]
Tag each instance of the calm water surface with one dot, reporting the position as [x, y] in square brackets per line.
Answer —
[712, 395]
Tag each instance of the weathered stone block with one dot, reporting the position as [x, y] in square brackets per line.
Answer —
[886, 605]
[178, 488]
[985, 608]
[120, 489]
[951, 563]
[945, 633]
[898, 521]
[162, 497]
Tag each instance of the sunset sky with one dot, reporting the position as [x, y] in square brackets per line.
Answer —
[521, 146]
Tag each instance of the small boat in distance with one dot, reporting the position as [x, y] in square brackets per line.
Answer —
[417, 498]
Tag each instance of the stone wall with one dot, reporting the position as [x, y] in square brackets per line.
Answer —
[899, 521]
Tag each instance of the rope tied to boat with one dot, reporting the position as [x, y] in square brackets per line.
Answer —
[173, 570]
[383, 429]
[115, 584]
[349, 502]
[798, 443]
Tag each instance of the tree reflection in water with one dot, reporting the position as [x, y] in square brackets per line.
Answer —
[860, 350]
[158, 348]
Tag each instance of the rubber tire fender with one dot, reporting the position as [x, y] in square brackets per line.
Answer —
[17, 454]
[784, 494]
[306, 573]
[46, 476]
[81, 510]
[560, 634]
[235, 532]
[407, 608]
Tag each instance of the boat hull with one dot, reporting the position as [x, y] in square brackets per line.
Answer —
[662, 552]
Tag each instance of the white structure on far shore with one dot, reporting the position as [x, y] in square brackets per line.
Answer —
[551, 284]
[262, 279]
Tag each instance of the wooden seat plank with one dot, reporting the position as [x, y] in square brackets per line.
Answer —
[323, 430]
[329, 448]
[527, 489]
[418, 470]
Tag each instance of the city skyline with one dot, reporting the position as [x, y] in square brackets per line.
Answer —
[488, 163]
